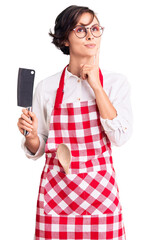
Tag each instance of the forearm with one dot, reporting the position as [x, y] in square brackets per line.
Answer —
[106, 109]
[32, 144]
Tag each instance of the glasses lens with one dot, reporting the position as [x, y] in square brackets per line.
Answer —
[80, 31]
[97, 30]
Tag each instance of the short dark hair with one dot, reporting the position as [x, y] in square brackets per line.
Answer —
[65, 22]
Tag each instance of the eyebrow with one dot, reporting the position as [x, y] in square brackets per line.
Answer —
[83, 24]
[86, 24]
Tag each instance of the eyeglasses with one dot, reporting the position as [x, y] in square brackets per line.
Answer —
[81, 31]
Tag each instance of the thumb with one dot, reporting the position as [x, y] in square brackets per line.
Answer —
[97, 57]
[33, 118]
[32, 115]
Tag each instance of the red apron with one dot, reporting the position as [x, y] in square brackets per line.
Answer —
[83, 204]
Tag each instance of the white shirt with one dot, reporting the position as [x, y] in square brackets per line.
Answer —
[117, 89]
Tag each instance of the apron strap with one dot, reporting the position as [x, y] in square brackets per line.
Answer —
[101, 77]
[60, 90]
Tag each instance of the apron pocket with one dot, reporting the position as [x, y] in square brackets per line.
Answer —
[89, 193]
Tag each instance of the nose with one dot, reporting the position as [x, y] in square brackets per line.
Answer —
[89, 35]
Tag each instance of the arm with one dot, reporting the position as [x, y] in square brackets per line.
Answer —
[106, 109]
[114, 106]
[91, 73]
[119, 129]
[32, 141]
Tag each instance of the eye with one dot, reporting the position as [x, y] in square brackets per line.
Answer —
[95, 28]
[80, 29]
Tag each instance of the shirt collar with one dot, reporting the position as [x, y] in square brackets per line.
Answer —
[69, 74]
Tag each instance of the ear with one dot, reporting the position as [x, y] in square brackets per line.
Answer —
[66, 43]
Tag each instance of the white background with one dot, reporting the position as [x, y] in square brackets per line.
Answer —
[125, 49]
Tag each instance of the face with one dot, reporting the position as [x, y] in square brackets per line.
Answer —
[87, 46]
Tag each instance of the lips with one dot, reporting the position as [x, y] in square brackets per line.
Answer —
[90, 45]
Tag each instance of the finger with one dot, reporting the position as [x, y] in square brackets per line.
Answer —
[81, 66]
[96, 57]
[81, 71]
[84, 74]
[25, 111]
[21, 130]
[26, 118]
[24, 127]
[32, 115]
[24, 122]
[85, 68]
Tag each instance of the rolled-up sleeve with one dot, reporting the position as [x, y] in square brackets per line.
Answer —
[39, 152]
[119, 129]
[40, 112]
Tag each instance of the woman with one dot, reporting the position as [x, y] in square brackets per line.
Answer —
[87, 110]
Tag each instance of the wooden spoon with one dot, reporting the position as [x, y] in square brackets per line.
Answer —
[64, 156]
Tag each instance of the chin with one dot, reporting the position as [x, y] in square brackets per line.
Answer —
[92, 54]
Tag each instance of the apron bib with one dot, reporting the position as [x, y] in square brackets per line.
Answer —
[83, 204]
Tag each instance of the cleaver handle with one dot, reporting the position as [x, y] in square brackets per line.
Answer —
[25, 132]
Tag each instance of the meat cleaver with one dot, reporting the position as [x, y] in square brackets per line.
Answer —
[25, 89]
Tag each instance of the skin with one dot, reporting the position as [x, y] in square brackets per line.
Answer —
[24, 123]
[84, 63]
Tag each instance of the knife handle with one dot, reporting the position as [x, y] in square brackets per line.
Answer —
[25, 132]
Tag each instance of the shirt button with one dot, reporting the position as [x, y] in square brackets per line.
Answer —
[125, 129]
[79, 80]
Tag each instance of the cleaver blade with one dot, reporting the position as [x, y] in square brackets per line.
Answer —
[25, 89]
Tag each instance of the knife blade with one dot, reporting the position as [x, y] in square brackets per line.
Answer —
[25, 86]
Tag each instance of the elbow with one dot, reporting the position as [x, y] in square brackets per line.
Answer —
[119, 143]
[121, 137]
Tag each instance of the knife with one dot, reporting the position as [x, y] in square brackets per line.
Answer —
[25, 89]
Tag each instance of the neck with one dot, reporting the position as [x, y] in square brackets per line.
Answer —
[74, 64]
